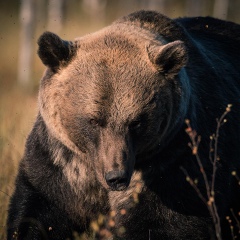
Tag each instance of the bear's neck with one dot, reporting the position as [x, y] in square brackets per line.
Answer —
[64, 171]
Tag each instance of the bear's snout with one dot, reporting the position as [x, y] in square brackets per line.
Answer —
[117, 180]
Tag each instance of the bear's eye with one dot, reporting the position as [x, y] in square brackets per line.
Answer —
[94, 122]
[135, 125]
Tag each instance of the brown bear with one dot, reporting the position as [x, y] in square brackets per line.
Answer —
[108, 148]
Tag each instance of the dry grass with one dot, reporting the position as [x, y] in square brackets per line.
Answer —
[17, 113]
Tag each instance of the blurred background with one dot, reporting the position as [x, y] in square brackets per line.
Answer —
[23, 21]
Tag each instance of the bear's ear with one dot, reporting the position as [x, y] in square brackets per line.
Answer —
[53, 51]
[168, 58]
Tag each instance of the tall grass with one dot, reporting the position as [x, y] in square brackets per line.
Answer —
[17, 113]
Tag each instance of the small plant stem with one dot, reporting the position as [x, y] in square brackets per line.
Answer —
[193, 185]
[210, 186]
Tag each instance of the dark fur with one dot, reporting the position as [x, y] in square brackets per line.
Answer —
[117, 100]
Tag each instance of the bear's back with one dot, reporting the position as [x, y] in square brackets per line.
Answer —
[208, 26]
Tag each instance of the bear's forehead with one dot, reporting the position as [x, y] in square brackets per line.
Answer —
[110, 51]
[106, 81]
[116, 56]
[120, 34]
[111, 71]
[118, 39]
[120, 71]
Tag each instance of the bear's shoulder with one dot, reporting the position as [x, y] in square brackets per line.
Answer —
[177, 29]
[211, 26]
[155, 22]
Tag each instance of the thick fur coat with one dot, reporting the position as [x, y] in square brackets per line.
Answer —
[109, 152]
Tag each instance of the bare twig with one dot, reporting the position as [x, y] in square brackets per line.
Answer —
[5, 193]
[236, 219]
[230, 226]
[214, 158]
[234, 173]
[190, 180]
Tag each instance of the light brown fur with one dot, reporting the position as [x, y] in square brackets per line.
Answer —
[104, 91]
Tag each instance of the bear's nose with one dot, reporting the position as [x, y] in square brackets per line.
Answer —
[117, 180]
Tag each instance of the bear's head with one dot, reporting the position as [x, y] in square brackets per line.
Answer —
[112, 97]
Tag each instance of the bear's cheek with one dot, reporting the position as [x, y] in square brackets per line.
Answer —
[82, 135]
[146, 137]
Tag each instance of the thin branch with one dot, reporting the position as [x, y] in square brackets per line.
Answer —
[236, 219]
[230, 226]
[189, 179]
[194, 146]
[220, 122]
[210, 186]
[5, 193]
